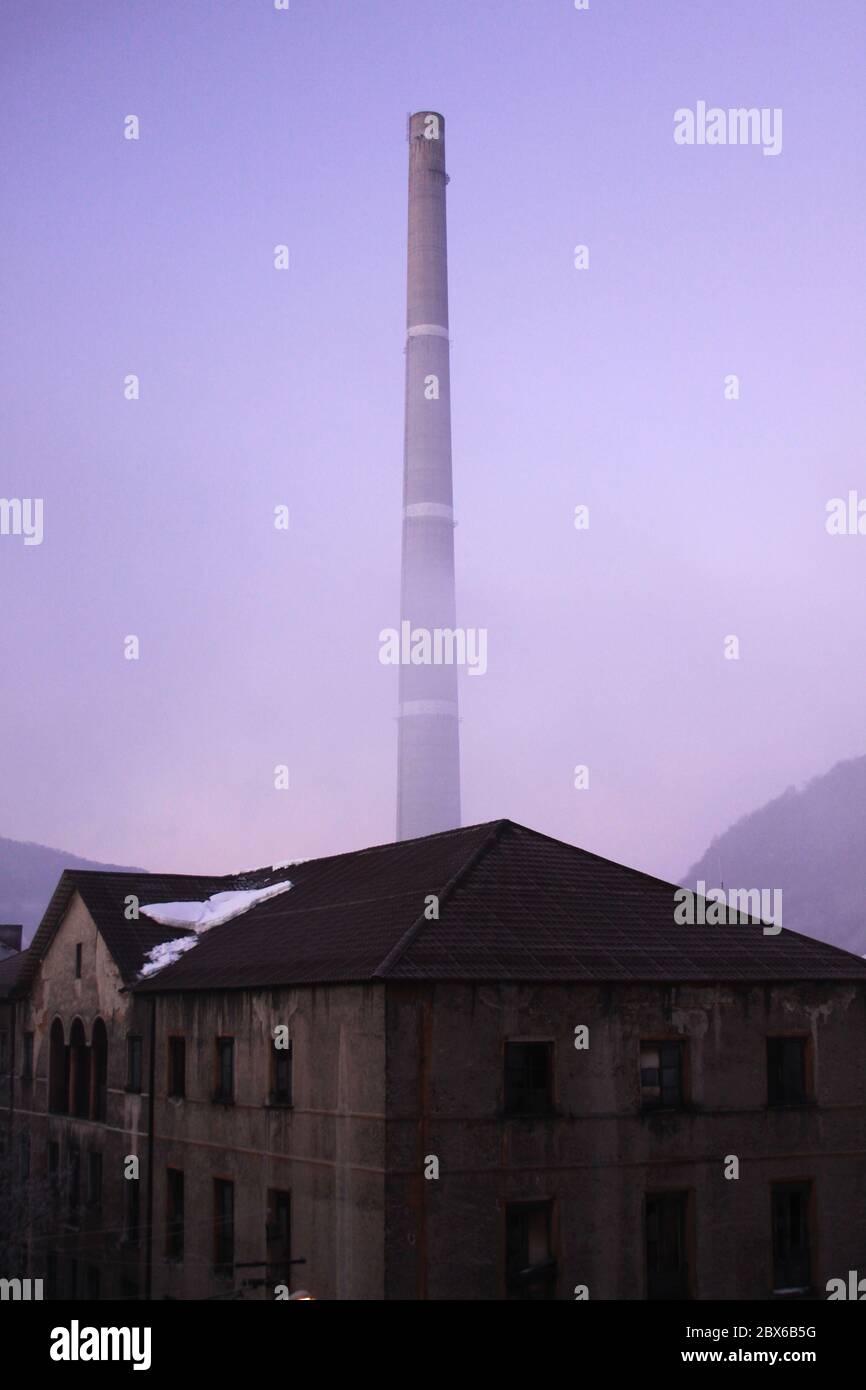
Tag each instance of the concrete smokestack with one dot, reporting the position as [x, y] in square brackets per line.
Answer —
[428, 753]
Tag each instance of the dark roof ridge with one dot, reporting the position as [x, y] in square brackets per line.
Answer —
[373, 849]
[391, 959]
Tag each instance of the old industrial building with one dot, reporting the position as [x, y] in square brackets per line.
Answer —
[479, 1065]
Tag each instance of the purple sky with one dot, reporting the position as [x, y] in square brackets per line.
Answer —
[261, 387]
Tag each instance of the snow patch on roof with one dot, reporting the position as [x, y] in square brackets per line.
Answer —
[219, 908]
[288, 864]
[166, 953]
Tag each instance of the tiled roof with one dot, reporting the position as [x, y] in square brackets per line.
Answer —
[513, 905]
[104, 895]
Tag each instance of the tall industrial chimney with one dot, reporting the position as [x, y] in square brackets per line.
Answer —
[428, 751]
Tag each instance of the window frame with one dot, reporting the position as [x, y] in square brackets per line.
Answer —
[225, 1046]
[679, 1044]
[777, 1097]
[176, 1042]
[134, 1063]
[518, 1287]
[223, 1232]
[514, 1097]
[175, 1226]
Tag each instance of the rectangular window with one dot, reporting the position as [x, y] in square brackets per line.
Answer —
[661, 1075]
[94, 1180]
[281, 1074]
[278, 1237]
[177, 1068]
[51, 1274]
[666, 1245]
[73, 1178]
[133, 1062]
[225, 1070]
[786, 1071]
[792, 1260]
[27, 1058]
[530, 1269]
[24, 1157]
[224, 1227]
[78, 961]
[174, 1199]
[132, 1208]
[528, 1078]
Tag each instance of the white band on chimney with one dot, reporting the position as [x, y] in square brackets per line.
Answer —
[428, 330]
[437, 509]
[429, 707]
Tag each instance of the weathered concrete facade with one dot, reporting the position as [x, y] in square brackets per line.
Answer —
[325, 1150]
[82, 1242]
[210, 1133]
[598, 1155]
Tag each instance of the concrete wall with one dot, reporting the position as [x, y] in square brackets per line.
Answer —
[599, 1155]
[327, 1150]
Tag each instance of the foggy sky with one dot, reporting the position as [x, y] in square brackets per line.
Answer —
[261, 387]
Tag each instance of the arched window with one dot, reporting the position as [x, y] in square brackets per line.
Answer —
[79, 1071]
[99, 1071]
[58, 1071]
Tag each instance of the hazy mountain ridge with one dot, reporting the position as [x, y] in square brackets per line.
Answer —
[811, 844]
[28, 876]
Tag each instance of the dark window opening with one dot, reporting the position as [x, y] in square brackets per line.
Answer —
[52, 1284]
[58, 1071]
[528, 1078]
[786, 1071]
[79, 1072]
[666, 1251]
[661, 1075]
[99, 1050]
[224, 1227]
[78, 961]
[225, 1064]
[281, 1075]
[792, 1262]
[132, 1217]
[133, 1062]
[94, 1180]
[174, 1199]
[53, 1166]
[530, 1269]
[278, 1236]
[73, 1181]
[177, 1068]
